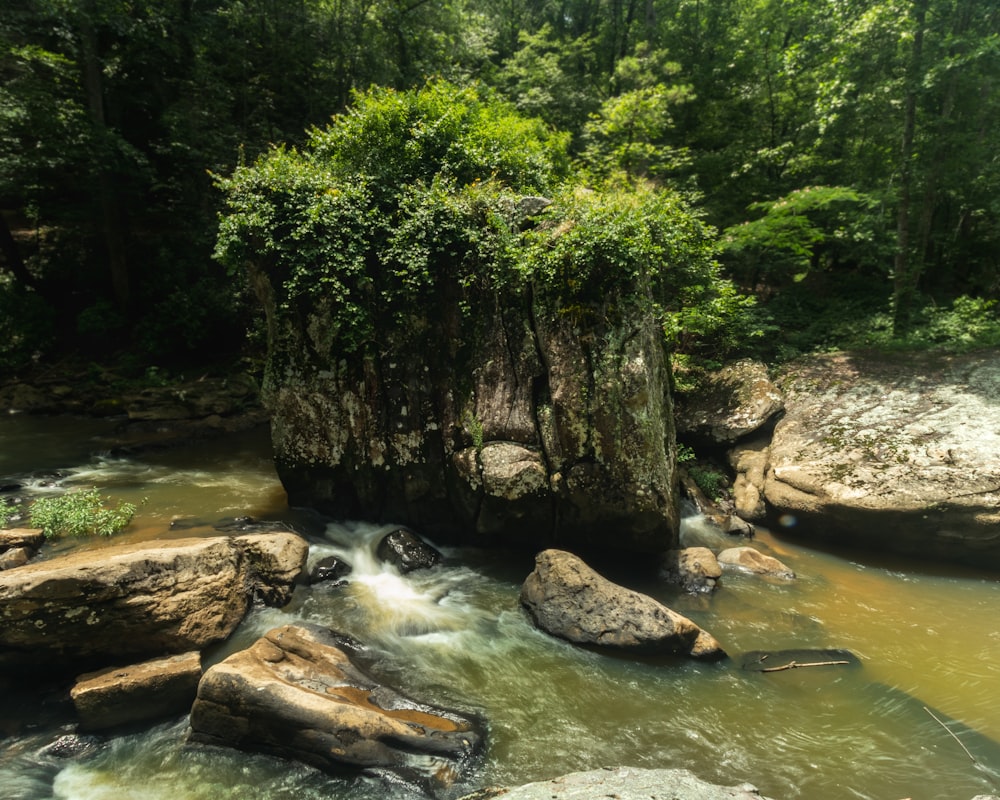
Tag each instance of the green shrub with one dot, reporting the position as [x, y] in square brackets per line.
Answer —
[411, 197]
[81, 512]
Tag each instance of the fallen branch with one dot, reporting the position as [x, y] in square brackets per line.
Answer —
[953, 736]
[797, 665]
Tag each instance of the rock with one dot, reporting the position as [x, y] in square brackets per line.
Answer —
[296, 693]
[729, 404]
[275, 563]
[725, 522]
[694, 569]
[406, 551]
[528, 424]
[568, 599]
[139, 600]
[117, 696]
[749, 461]
[329, 569]
[896, 452]
[27, 538]
[71, 745]
[625, 783]
[17, 557]
[752, 560]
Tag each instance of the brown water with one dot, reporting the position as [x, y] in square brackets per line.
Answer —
[928, 639]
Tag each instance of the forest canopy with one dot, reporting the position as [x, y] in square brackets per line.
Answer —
[844, 152]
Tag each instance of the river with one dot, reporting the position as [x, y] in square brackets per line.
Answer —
[920, 718]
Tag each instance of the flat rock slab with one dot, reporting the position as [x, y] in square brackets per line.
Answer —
[896, 452]
[121, 695]
[296, 693]
[625, 783]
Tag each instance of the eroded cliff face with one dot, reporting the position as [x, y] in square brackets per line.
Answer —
[510, 424]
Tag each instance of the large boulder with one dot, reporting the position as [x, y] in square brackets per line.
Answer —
[624, 783]
[728, 404]
[130, 601]
[891, 452]
[493, 415]
[568, 599]
[296, 693]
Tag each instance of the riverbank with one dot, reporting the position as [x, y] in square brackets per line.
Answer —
[155, 407]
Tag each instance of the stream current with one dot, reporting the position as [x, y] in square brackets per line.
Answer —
[919, 719]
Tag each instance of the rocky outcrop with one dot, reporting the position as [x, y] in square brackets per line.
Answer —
[517, 425]
[139, 600]
[749, 559]
[296, 693]
[728, 404]
[624, 783]
[568, 599]
[892, 452]
[152, 689]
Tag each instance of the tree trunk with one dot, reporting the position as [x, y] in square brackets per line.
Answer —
[12, 256]
[110, 209]
[908, 264]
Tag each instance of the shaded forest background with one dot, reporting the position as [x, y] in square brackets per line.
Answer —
[847, 152]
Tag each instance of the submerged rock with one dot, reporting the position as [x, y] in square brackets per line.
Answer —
[93, 607]
[751, 560]
[568, 599]
[296, 693]
[406, 551]
[330, 569]
[624, 783]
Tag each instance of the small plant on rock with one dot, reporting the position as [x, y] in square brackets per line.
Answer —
[80, 513]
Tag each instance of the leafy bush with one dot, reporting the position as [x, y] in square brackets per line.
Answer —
[411, 197]
[807, 228]
[79, 513]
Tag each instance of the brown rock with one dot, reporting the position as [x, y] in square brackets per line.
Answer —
[120, 695]
[568, 599]
[694, 569]
[30, 538]
[752, 560]
[140, 599]
[296, 693]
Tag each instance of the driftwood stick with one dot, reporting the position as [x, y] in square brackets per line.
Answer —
[796, 665]
[952, 734]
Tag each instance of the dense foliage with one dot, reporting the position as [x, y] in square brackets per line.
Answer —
[413, 196]
[846, 151]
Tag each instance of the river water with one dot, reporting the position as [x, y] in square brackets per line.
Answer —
[920, 718]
